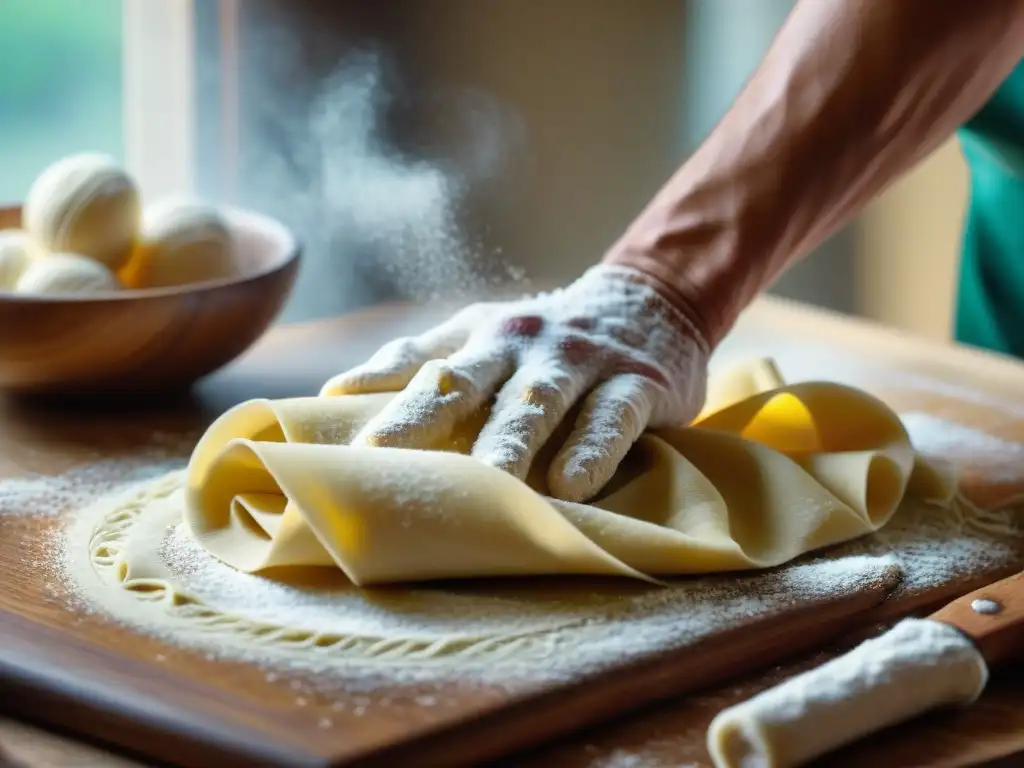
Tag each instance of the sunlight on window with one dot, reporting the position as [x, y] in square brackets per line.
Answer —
[60, 85]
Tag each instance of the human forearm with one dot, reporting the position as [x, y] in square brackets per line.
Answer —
[851, 94]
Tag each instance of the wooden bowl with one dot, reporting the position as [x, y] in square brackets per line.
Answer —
[138, 341]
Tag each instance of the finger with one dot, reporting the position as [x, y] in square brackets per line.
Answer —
[528, 409]
[613, 417]
[394, 365]
[439, 396]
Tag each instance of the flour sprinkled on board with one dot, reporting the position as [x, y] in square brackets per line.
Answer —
[37, 494]
[933, 436]
[492, 631]
[324, 601]
[35, 506]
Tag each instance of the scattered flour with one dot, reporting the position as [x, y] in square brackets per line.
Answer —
[561, 627]
[325, 602]
[37, 494]
[494, 632]
[932, 436]
[388, 213]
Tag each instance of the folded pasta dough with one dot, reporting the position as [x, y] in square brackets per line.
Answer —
[767, 472]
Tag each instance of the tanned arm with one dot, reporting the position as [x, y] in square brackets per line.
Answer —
[851, 94]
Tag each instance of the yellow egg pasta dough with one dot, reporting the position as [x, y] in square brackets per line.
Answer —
[768, 472]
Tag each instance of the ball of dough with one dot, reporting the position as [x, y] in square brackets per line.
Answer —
[85, 204]
[183, 241]
[17, 250]
[66, 273]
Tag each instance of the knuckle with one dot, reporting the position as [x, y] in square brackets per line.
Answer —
[581, 322]
[643, 372]
[627, 336]
[577, 350]
[521, 325]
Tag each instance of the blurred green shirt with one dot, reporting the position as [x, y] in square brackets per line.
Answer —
[990, 298]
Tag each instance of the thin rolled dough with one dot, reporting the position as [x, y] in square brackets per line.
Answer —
[767, 472]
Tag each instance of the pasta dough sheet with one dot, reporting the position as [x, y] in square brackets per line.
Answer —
[767, 472]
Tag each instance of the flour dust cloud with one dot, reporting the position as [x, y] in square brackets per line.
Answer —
[377, 221]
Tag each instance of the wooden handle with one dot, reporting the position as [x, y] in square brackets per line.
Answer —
[993, 617]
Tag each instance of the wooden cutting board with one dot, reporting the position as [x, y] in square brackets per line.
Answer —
[85, 674]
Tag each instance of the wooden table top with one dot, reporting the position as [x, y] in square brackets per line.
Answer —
[295, 360]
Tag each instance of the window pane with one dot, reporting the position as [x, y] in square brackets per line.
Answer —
[60, 85]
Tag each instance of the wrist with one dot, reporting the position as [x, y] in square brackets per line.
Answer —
[702, 271]
[653, 300]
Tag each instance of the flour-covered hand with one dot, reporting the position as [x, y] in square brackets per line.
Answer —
[610, 339]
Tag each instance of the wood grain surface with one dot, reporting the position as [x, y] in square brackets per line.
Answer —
[85, 675]
[998, 635]
[132, 341]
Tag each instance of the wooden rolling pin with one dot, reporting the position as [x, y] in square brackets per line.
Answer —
[918, 665]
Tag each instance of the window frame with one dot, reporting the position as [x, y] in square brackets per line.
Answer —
[181, 96]
[158, 48]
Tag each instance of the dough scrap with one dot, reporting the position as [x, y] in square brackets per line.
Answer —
[916, 666]
[768, 472]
